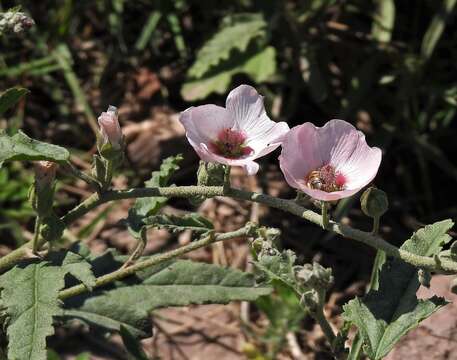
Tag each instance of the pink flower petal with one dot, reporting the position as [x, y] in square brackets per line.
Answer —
[203, 123]
[246, 107]
[245, 114]
[337, 143]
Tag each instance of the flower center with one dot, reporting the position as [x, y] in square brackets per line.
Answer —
[230, 144]
[326, 178]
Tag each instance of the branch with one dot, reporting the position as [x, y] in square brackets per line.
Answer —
[157, 259]
[289, 206]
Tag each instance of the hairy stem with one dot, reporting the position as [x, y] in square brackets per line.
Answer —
[289, 206]
[157, 259]
[325, 215]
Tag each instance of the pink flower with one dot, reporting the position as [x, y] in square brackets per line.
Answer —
[110, 128]
[328, 163]
[235, 135]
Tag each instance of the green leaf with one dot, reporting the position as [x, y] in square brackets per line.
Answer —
[21, 147]
[10, 97]
[179, 283]
[194, 222]
[236, 35]
[384, 316]
[436, 28]
[145, 207]
[259, 64]
[30, 295]
[383, 20]
[109, 323]
[132, 345]
[75, 265]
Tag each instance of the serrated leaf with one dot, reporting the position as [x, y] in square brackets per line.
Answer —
[259, 64]
[194, 222]
[384, 316]
[21, 147]
[179, 283]
[10, 97]
[30, 295]
[236, 35]
[75, 265]
[150, 206]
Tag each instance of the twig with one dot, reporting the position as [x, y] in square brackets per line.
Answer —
[290, 206]
[157, 259]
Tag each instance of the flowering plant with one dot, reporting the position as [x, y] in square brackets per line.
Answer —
[48, 281]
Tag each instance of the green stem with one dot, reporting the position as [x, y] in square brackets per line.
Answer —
[36, 235]
[108, 174]
[157, 259]
[375, 230]
[81, 175]
[325, 215]
[289, 206]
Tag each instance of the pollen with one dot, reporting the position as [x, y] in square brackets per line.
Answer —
[230, 144]
[326, 178]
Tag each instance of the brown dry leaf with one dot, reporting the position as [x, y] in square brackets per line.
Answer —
[148, 83]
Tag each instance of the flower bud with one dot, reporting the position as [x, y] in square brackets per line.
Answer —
[315, 276]
[374, 202]
[208, 174]
[45, 173]
[42, 195]
[110, 128]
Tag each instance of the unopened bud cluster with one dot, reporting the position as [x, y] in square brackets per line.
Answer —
[15, 21]
[315, 276]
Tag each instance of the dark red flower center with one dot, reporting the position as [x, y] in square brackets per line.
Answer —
[230, 144]
[326, 178]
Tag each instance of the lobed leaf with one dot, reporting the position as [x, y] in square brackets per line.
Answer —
[258, 63]
[21, 147]
[236, 35]
[178, 283]
[383, 316]
[30, 294]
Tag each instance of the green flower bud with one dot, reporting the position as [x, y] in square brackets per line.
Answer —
[374, 202]
[315, 276]
[52, 228]
[208, 174]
